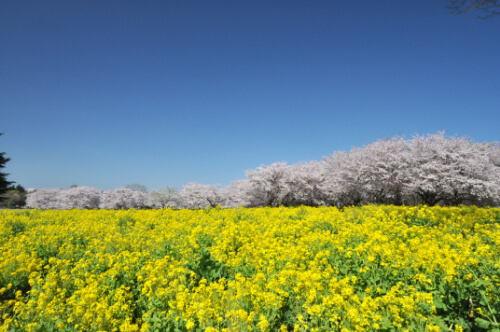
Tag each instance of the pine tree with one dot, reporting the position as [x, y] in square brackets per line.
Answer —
[4, 184]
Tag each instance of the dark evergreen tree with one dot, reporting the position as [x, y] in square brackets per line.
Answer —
[4, 184]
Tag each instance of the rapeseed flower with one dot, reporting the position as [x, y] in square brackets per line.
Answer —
[317, 269]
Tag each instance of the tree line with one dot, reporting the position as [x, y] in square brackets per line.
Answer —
[432, 169]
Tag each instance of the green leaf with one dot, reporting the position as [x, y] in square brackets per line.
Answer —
[438, 302]
[386, 323]
[484, 324]
[155, 319]
[441, 289]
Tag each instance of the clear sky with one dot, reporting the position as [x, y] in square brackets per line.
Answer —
[107, 93]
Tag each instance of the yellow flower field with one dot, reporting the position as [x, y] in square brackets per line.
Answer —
[365, 268]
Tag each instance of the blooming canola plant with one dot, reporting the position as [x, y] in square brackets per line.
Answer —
[261, 269]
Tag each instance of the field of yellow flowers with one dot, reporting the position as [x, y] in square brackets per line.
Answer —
[371, 268]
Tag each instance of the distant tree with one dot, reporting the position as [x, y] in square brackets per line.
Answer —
[15, 197]
[45, 199]
[80, 198]
[122, 198]
[372, 174]
[343, 185]
[18, 188]
[278, 184]
[86, 198]
[4, 184]
[137, 187]
[236, 194]
[383, 172]
[72, 198]
[305, 181]
[426, 169]
[14, 200]
[196, 195]
[495, 155]
[488, 8]
[163, 197]
[454, 170]
[270, 185]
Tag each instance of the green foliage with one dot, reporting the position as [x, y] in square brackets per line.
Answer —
[205, 267]
[15, 227]
[4, 184]
[14, 199]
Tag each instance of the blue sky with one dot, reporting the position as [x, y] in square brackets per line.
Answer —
[107, 93]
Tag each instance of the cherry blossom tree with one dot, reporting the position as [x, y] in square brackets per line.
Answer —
[196, 195]
[452, 169]
[282, 184]
[72, 198]
[164, 197]
[269, 185]
[383, 170]
[427, 169]
[236, 194]
[79, 198]
[494, 154]
[304, 181]
[343, 185]
[46, 198]
[122, 198]
[137, 187]
[372, 174]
